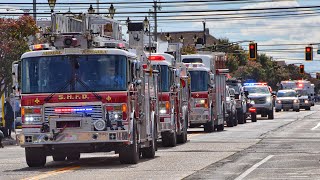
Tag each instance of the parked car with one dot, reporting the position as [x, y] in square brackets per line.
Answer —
[231, 104]
[287, 99]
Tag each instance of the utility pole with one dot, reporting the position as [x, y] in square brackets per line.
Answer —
[98, 6]
[204, 33]
[156, 7]
[35, 10]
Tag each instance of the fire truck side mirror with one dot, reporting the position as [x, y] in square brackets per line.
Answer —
[138, 65]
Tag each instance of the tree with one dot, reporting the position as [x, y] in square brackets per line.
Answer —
[14, 37]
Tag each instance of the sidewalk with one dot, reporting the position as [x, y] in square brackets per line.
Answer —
[13, 141]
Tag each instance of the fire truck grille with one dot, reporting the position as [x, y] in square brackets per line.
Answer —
[93, 111]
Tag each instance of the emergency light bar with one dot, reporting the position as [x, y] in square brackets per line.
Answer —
[38, 47]
[255, 84]
[156, 58]
[70, 110]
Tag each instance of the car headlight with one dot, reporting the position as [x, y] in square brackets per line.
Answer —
[306, 101]
[268, 99]
[278, 101]
[252, 102]
[295, 101]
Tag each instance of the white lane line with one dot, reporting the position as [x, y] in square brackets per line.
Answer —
[314, 128]
[243, 175]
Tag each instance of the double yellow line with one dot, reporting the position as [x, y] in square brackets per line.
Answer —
[53, 173]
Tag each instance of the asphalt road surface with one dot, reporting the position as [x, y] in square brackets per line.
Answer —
[287, 147]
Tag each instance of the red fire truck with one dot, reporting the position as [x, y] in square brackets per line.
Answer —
[84, 93]
[208, 88]
[173, 98]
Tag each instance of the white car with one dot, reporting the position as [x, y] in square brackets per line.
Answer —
[287, 99]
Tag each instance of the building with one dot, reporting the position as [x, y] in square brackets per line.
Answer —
[190, 38]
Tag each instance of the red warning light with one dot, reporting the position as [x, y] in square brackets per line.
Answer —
[251, 46]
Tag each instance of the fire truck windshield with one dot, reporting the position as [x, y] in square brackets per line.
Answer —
[81, 73]
[199, 81]
[164, 78]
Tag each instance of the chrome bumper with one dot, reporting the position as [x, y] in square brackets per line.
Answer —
[199, 116]
[41, 139]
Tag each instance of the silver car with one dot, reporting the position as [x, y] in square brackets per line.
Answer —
[287, 99]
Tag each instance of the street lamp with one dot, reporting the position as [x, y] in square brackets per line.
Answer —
[52, 3]
[90, 10]
[112, 11]
[146, 23]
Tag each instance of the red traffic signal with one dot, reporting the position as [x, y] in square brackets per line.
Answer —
[253, 51]
[309, 53]
[301, 69]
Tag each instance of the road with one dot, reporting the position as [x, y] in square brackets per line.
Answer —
[287, 147]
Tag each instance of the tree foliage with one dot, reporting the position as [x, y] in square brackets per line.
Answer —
[14, 36]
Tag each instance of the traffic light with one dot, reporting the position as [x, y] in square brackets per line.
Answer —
[309, 53]
[301, 69]
[253, 51]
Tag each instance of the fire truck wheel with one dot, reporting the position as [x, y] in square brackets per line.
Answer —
[59, 157]
[150, 151]
[169, 139]
[209, 126]
[35, 157]
[183, 137]
[240, 117]
[270, 115]
[130, 154]
[244, 118]
[254, 117]
[73, 157]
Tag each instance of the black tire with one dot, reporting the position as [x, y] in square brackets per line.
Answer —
[169, 139]
[230, 120]
[220, 127]
[297, 110]
[130, 154]
[240, 117]
[308, 108]
[278, 110]
[59, 157]
[244, 118]
[35, 157]
[254, 117]
[271, 114]
[209, 126]
[150, 152]
[183, 137]
[75, 156]
[235, 119]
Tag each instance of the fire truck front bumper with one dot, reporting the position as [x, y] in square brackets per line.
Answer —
[166, 123]
[199, 116]
[42, 139]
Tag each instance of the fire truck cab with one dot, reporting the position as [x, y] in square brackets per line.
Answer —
[83, 93]
[173, 98]
[208, 91]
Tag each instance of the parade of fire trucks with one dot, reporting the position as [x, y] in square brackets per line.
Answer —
[87, 90]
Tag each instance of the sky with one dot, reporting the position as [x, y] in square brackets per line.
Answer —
[267, 32]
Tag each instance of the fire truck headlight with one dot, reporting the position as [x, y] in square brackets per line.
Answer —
[115, 115]
[100, 125]
[32, 119]
[306, 101]
[252, 102]
[163, 111]
[295, 101]
[278, 101]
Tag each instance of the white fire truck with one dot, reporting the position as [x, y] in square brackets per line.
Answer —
[174, 92]
[208, 90]
[83, 92]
